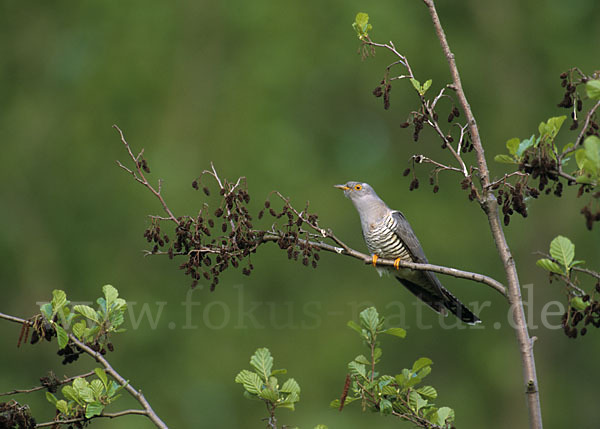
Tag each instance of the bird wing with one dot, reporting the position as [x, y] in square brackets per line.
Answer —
[408, 237]
[411, 243]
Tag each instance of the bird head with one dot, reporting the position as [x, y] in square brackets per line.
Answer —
[357, 191]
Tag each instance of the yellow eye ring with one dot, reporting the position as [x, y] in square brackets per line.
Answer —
[358, 187]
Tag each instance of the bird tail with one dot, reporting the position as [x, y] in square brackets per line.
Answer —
[459, 309]
[448, 301]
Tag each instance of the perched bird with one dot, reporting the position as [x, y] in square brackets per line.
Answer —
[388, 235]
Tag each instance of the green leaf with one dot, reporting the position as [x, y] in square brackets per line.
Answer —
[111, 294]
[505, 159]
[421, 363]
[524, 145]
[51, 398]
[445, 414]
[59, 300]
[320, 427]
[567, 147]
[97, 388]
[512, 145]
[562, 250]
[580, 158]
[549, 265]
[397, 332]
[269, 395]
[62, 406]
[416, 84]
[279, 371]
[357, 369]
[353, 325]
[93, 409]
[250, 380]
[377, 352]
[362, 359]
[385, 406]
[592, 151]
[290, 386]
[46, 310]
[361, 25]
[552, 127]
[70, 393]
[428, 392]
[87, 312]
[579, 304]
[370, 318]
[102, 376]
[61, 336]
[426, 86]
[79, 329]
[262, 362]
[415, 401]
[592, 88]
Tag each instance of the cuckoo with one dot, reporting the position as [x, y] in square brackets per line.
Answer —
[388, 235]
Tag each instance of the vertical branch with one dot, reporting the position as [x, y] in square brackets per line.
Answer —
[490, 206]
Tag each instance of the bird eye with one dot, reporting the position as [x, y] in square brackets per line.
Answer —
[358, 187]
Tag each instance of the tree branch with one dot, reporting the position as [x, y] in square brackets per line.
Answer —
[490, 206]
[137, 394]
[84, 419]
[58, 383]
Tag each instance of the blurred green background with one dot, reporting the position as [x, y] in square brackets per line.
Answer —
[275, 91]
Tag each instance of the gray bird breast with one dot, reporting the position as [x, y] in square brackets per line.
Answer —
[382, 240]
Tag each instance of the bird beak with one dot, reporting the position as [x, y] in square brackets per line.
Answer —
[342, 187]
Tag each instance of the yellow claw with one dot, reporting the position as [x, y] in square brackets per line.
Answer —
[375, 258]
[397, 263]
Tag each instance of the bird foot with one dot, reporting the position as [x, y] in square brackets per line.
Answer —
[375, 258]
[397, 263]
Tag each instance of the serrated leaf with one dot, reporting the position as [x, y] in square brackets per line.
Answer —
[290, 386]
[51, 398]
[562, 250]
[61, 336]
[505, 159]
[97, 388]
[397, 332]
[445, 415]
[62, 406]
[421, 363]
[512, 145]
[428, 392]
[262, 362]
[111, 294]
[102, 376]
[414, 401]
[250, 380]
[59, 300]
[385, 406]
[362, 359]
[70, 393]
[79, 329]
[269, 395]
[377, 352]
[93, 409]
[87, 312]
[357, 369]
[369, 318]
[592, 88]
[549, 265]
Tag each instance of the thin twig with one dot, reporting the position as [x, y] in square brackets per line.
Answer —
[58, 383]
[137, 394]
[84, 419]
